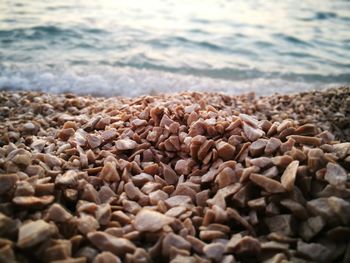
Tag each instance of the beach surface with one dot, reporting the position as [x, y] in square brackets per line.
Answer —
[186, 177]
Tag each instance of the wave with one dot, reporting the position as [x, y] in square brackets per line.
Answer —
[131, 82]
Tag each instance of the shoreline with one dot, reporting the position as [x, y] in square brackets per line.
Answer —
[188, 177]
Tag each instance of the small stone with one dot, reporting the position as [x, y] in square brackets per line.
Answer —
[58, 214]
[151, 221]
[184, 166]
[69, 178]
[252, 133]
[156, 196]
[52, 161]
[173, 240]
[7, 182]
[261, 162]
[283, 224]
[107, 242]
[103, 214]
[178, 200]
[125, 144]
[314, 251]
[257, 147]
[87, 224]
[33, 233]
[93, 141]
[106, 257]
[109, 173]
[8, 225]
[272, 145]
[225, 150]
[306, 140]
[289, 175]
[336, 175]
[333, 210]
[33, 201]
[109, 135]
[169, 174]
[269, 185]
[214, 251]
[244, 245]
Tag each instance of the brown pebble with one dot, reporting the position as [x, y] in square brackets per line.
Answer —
[270, 185]
[284, 224]
[289, 175]
[33, 201]
[7, 182]
[252, 133]
[243, 245]
[151, 221]
[173, 240]
[314, 251]
[33, 233]
[306, 140]
[109, 172]
[58, 214]
[106, 257]
[107, 242]
[125, 144]
[225, 150]
[214, 251]
[336, 175]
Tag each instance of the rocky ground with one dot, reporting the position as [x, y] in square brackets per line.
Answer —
[191, 177]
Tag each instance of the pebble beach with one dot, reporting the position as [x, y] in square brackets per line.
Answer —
[186, 177]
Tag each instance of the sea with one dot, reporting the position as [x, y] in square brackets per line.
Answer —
[137, 47]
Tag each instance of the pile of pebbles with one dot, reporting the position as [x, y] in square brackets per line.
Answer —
[190, 177]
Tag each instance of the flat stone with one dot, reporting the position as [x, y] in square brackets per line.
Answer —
[272, 145]
[69, 178]
[333, 210]
[244, 245]
[7, 182]
[125, 144]
[107, 242]
[314, 251]
[336, 175]
[156, 196]
[269, 185]
[33, 233]
[178, 200]
[289, 175]
[33, 201]
[58, 214]
[252, 133]
[106, 257]
[109, 173]
[214, 251]
[93, 141]
[257, 147]
[151, 221]
[284, 224]
[173, 240]
[225, 150]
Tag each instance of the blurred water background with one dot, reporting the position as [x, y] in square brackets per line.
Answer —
[131, 48]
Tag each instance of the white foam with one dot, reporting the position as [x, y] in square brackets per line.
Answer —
[130, 82]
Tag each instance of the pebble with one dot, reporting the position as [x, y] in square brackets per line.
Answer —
[289, 175]
[7, 182]
[336, 175]
[125, 144]
[107, 242]
[33, 233]
[269, 185]
[151, 221]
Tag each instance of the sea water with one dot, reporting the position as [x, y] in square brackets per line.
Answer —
[134, 47]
